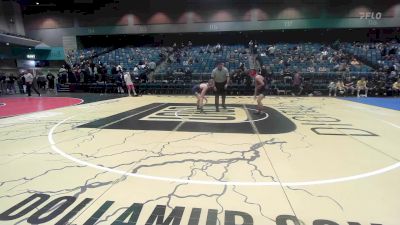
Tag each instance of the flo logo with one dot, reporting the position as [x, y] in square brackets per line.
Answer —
[185, 117]
[371, 15]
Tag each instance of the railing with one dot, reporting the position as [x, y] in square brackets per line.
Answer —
[312, 75]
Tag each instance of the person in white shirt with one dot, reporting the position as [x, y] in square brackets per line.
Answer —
[29, 82]
[136, 71]
[271, 50]
[332, 88]
[129, 84]
[119, 68]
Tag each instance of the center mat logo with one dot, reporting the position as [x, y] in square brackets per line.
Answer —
[190, 113]
[185, 117]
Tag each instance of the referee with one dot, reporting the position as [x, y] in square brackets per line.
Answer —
[220, 78]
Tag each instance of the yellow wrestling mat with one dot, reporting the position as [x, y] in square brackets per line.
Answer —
[156, 160]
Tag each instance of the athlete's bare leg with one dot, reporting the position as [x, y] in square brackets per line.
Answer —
[259, 103]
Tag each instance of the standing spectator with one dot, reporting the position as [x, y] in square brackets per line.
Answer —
[96, 73]
[264, 71]
[119, 79]
[114, 70]
[297, 80]
[21, 84]
[3, 83]
[220, 77]
[31, 83]
[22, 78]
[152, 68]
[50, 81]
[129, 84]
[11, 84]
[63, 74]
[251, 44]
[41, 80]
[271, 50]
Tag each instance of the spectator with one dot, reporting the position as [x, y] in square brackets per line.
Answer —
[396, 87]
[340, 87]
[152, 68]
[332, 88]
[31, 83]
[354, 62]
[11, 84]
[362, 85]
[349, 85]
[41, 81]
[311, 69]
[63, 75]
[263, 71]
[380, 87]
[297, 80]
[271, 50]
[129, 84]
[50, 81]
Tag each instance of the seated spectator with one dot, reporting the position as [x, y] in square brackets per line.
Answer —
[380, 87]
[324, 55]
[396, 87]
[323, 69]
[218, 48]
[354, 62]
[362, 85]
[349, 85]
[310, 69]
[340, 87]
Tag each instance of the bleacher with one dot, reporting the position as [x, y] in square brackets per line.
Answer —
[77, 55]
[129, 57]
[372, 53]
[304, 55]
[204, 60]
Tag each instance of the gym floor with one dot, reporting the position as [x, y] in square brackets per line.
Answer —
[157, 160]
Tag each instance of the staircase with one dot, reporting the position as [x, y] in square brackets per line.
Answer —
[63, 88]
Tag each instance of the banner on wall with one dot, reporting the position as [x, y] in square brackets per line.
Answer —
[21, 63]
[53, 53]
